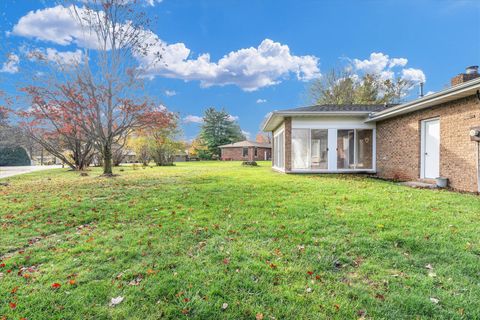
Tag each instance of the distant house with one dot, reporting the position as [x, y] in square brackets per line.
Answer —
[181, 156]
[246, 151]
[434, 136]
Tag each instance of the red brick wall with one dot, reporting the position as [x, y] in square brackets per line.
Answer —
[398, 144]
[463, 77]
[237, 154]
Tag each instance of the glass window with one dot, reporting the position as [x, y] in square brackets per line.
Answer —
[256, 152]
[355, 149]
[278, 146]
[245, 152]
[300, 148]
[364, 149]
[345, 149]
[319, 149]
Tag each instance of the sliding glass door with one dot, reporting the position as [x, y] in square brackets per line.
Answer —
[345, 149]
[355, 149]
[300, 148]
[350, 149]
[364, 149]
[278, 148]
[319, 149]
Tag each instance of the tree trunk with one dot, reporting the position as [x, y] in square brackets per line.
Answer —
[107, 159]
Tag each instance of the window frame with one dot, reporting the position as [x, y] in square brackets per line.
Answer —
[243, 152]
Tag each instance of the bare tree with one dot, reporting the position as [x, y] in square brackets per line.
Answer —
[344, 87]
[110, 78]
[100, 97]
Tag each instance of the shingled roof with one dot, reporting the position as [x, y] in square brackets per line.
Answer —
[246, 143]
[339, 108]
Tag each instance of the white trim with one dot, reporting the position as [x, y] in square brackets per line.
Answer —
[279, 132]
[332, 149]
[478, 167]
[422, 144]
[374, 150]
[333, 171]
[278, 169]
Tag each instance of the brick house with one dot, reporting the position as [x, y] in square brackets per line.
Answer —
[430, 137]
[246, 151]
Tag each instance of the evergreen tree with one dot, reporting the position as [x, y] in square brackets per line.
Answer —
[218, 129]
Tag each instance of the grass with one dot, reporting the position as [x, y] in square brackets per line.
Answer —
[185, 241]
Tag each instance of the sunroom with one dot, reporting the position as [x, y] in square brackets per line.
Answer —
[331, 139]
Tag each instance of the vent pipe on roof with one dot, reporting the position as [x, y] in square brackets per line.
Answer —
[471, 70]
[421, 90]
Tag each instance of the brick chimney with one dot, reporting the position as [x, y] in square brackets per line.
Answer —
[470, 74]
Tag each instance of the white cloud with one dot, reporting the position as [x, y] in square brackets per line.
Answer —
[57, 25]
[429, 93]
[63, 58]
[11, 65]
[401, 62]
[414, 75]
[374, 65]
[381, 64]
[152, 2]
[246, 134]
[261, 100]
[249, 69]
[232, 118]
[170, 93]
[193, 119]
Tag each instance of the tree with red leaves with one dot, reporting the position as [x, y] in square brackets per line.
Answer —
[98, 101]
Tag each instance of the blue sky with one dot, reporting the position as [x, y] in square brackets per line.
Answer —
[288, 43]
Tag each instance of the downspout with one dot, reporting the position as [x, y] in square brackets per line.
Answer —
[478, 167]
[478, 152]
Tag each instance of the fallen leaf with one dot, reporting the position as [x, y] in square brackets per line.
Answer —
[380, 296]
[309, 290]
[434, 300]
[71, 281]
[309, 273]
[12, 305]
[224, 306]
[56, 285]
[14, 290]
[259, 316]
[429, 266]
[136, 281]
[115, 301]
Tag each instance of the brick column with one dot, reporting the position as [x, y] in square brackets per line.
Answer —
[288, 144]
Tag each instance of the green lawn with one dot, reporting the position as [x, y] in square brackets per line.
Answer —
[181, 242]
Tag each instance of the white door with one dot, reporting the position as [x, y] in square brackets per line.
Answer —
[431, 149]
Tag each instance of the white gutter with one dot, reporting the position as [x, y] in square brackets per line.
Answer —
[312, 113]
[431, 99]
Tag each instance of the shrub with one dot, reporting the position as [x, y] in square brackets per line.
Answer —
[14, 156]
[250, 163]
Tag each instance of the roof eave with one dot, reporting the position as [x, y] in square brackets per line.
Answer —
[427, 101]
